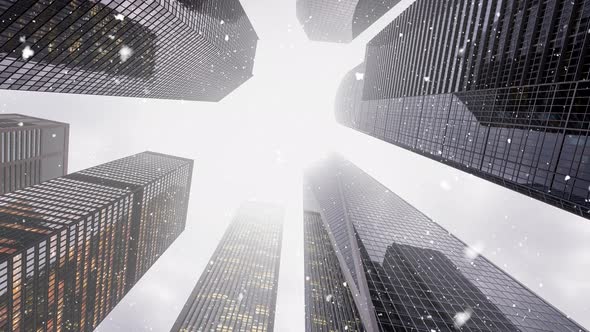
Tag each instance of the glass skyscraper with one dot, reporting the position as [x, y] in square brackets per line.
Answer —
[406, 273]
[238, 290]
[32, 150]
[168, 49]
[339, 21]
[329, 305]
[72, 247]
[499, 89]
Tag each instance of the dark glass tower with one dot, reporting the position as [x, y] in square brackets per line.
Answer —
[238, 290]
[339, 21]
[192, 50]
[499, 89]
[72, 247]
[409, 274]
[329, 305]
[32, 150]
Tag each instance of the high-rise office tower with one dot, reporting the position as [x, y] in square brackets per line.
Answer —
[238, 290]
[498, 89]
[329, 305]
[169, 49]
[32, 150]
[409, 274]
[72, 247]
[339, 21]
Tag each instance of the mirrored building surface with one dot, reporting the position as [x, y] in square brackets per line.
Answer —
[407, 273]
[73, 246]
[499, 89]
[32, 150]
[238, 290]
[329, 303]
[339, 21]
[168, 49]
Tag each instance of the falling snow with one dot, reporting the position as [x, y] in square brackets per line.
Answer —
[125, 53]
[462, 317]
[119, 17]
[360, 76]
[28, 52]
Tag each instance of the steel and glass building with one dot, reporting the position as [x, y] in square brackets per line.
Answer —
[168, 49]
[339, 21]
[499, 89]
[406, 273]
[238, 289]
[329, 304]
[73, 246]
[32, 150]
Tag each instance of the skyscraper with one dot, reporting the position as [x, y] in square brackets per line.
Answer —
[339, 21]
[409, 274]
[32, 150]
[238, 290]
[498, 89]
[193, 50]
[329, 305]
[72, 247]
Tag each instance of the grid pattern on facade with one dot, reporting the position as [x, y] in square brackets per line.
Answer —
[67, 248]
[126, 48]
[339, 21]
[32, 150]
[496, 88]
[238, 290]
[416, 274]
[532, 150]
[329, 303]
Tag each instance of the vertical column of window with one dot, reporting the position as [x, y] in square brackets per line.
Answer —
[408, 38]
[449, 14]
[62, 274]
[485, 41]
[468, 18]
[417, 49]
[433, 47]
[474, 44]
[41, 280]
[495, 33]
[531, 47]
[519, 45]
[52, 284]
[393, 83]
[565, 39]
[503, 58]
[5, 293]
[453, 45]
[17, 290]
[29, 290]
[550, 52]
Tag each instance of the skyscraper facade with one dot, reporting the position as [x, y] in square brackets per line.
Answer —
[409, 274]
[168, 49]
[32, 150]
[339, 21]
[499, 89]
[72, 247]
[329, 303]
[238, 290]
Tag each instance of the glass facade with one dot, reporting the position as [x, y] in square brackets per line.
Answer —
[238, 290]
[496, 88]
[72, 247]
[411, 274]
[168, 49]
[339, 21]
[32, 150]
[329, 303]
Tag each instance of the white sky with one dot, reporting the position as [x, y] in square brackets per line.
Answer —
[253, 144]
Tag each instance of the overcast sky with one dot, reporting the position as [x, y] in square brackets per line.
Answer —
[253, 144]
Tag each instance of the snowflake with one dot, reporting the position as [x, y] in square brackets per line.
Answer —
[28, 52]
